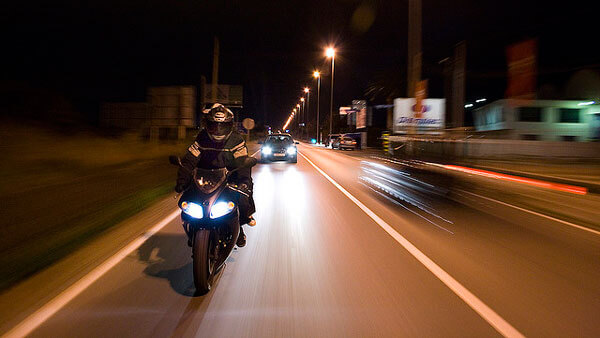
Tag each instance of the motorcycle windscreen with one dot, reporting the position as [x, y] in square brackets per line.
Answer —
[208, 180]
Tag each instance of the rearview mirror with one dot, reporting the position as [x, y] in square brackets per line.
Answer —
[174, 160]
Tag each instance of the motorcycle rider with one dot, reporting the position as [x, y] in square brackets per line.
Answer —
[219, 146]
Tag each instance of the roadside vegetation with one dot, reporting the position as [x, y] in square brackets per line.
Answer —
[62, 188]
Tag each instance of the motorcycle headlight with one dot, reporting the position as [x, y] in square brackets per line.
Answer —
[291, 150]
[267, 150]
[192, 209]
[220, 209]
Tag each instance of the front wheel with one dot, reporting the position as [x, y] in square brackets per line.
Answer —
[203, 261]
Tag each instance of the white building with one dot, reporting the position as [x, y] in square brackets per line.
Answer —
[544, 120]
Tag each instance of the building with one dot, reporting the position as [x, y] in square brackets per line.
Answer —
[543, 120]
[167, 113]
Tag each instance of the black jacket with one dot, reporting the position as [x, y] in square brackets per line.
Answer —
[208, 154]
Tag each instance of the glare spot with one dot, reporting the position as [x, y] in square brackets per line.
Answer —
[363, 18]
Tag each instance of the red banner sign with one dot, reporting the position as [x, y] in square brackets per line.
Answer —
[522, 70]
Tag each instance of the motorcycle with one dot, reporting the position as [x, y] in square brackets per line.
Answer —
[210, 216]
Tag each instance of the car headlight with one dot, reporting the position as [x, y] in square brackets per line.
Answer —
[220, 209]
[267, 150]
[192, 209]
[291, 150]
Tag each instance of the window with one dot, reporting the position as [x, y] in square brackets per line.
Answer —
[569, 115]
[530, 137]
[530, 114]
[569, 138]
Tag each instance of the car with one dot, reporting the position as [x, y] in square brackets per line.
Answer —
[279, 147]
[347, 142]
[333, 140]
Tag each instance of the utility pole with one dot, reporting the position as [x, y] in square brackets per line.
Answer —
[414, 58]
[458, 84]
[414, 45]
[215, 72]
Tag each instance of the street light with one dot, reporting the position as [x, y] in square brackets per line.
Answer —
[302, 115]
[317, 75]
[330, 53]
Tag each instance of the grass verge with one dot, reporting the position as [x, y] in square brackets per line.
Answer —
[32, 256]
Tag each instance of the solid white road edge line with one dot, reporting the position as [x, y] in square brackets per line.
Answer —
[49, 309]
[489, 315]
[534, 213]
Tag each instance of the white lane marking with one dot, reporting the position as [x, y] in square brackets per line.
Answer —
[49, 309]
[489, 315]
[534, 213]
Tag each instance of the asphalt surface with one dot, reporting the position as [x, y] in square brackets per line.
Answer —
[319, 265]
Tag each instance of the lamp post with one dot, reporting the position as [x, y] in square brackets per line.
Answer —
[330, 53]
[303, 116]
[307, 91]
[299, 109]
[317, 75]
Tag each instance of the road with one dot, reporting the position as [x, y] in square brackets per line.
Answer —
[332, 258]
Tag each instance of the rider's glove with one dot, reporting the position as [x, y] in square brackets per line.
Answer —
[244, 187]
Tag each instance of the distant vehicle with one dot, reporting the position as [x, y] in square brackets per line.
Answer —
[279, 147]
[347, 142]
[333, 140]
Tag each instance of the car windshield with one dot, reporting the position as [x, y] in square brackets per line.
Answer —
[279, 139]
[207, 180]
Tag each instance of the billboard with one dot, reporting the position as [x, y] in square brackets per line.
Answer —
[229, 95]
[345, 110]
[360, 106]
[432, 115]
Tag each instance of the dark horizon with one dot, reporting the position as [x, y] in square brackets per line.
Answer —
[112, 51]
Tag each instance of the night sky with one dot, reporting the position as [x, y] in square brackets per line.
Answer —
[98, 51]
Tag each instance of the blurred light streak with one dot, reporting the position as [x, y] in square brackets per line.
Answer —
[588, 103]
[542, 184]
[386, 189]
[397, 193]
[383, 167]
[397, 172]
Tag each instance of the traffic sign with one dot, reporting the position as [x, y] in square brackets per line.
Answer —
[248, 123]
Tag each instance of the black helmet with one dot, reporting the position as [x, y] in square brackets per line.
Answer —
[218, 122]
